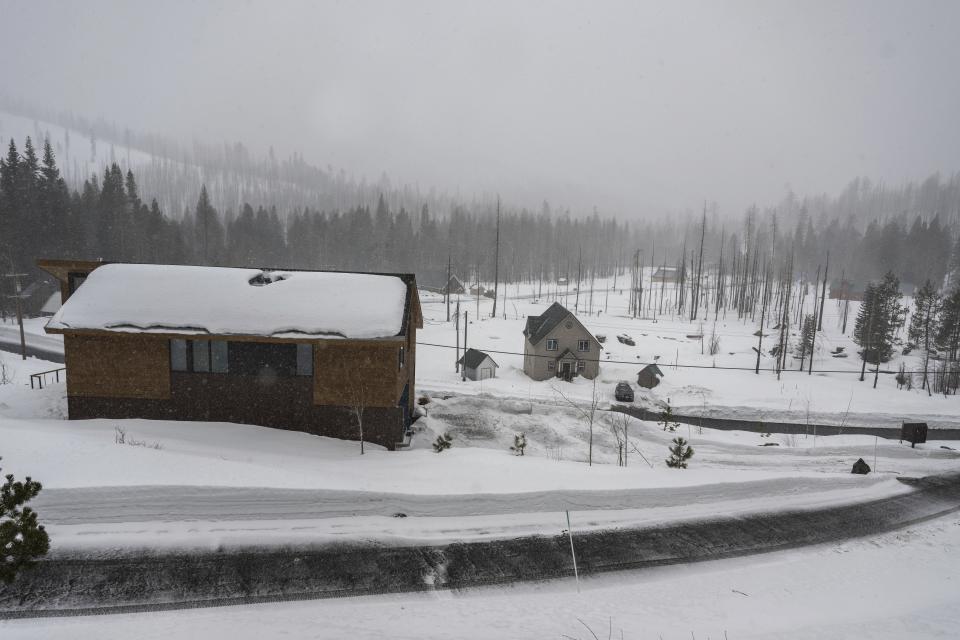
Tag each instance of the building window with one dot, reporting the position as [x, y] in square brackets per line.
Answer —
[583, 345]
[403, 357]
[551, 365]
[551, 344]
[304, 359]
[74, 280]
[265, 360]
[178, 355]
[219, 361]
[199, 356]
[580, 365]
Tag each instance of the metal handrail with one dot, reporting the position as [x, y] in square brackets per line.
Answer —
[40, 377]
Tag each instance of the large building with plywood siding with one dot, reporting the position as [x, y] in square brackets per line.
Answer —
[300, 350]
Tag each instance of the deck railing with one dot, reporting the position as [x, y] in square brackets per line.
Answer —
[37, 380]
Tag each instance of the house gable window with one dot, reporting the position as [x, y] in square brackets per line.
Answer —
[552, 344]
[583, 345]
[74, 280]
[551, 365]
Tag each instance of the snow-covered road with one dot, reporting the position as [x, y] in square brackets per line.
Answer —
[150, 503]
[110, 519]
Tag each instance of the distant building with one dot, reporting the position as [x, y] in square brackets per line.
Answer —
[557, 345]
[298, 350]
[666, 274]
[846, 290]
[437, 282]
[477, 365]
[51, 306]
[649, 376]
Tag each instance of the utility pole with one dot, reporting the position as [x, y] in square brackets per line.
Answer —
[466, 322]
[18, 296]
[457, 325]
[496, 263]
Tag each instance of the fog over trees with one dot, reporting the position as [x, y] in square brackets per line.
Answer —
[223, 206]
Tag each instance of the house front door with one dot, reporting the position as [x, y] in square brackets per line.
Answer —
[566, 371]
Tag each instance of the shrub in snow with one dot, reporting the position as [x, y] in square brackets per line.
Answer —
[680, 452]
[442, 443]
[519, 443]
[21, 538]
[6, 374]
[714, 342]
[667, 419]
[902, 376]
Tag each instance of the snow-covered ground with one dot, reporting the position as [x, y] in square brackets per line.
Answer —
[206, 485]
[893, 586]
[833, 394]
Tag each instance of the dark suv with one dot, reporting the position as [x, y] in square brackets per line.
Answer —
[623, 392]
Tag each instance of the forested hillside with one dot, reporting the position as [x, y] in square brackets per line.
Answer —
[118, 195]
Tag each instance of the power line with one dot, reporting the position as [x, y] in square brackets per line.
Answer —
[675, 366]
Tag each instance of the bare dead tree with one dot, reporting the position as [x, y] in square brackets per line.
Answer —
[619, 427]
[358, 404]
[588, 415]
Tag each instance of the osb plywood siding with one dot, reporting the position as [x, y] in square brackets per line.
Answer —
[117, 367]
[342, 370]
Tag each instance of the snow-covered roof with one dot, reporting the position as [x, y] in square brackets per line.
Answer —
[52, 304]
[147, 298]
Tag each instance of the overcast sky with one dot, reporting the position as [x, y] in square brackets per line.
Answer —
[633, 108]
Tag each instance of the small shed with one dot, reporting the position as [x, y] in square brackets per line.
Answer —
[666, 274]
[914, 432]
[477, 365]
[649, 376]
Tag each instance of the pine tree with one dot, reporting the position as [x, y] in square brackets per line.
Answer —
[926, 312]
[519, 443]
[22, 539]
[948, 333]
[209, 230]
[680, 452]
[442, 443]
[923, 324]
[53, 207]
[807, 339]
[9, 200]
[667, 419]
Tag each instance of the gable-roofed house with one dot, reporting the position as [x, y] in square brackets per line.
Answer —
[436, 281]
[558, 345]
[649, 376]
[477, 365]
[280, 348]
